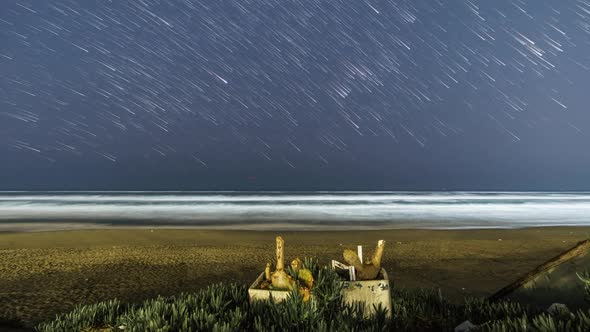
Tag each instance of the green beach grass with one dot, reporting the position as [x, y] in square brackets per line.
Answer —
[225, 307]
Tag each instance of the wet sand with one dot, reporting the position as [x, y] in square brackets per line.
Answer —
[46, 273]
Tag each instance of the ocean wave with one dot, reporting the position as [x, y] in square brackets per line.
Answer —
[383, 209]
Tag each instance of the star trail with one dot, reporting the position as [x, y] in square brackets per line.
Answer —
[293, 86]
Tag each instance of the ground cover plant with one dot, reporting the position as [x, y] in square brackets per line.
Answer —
[225, 307]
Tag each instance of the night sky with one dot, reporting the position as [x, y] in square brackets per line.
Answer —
[294, 95]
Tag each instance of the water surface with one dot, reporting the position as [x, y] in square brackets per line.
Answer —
[289, 210]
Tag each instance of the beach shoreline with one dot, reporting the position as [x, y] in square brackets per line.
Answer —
[260, 226]
[49, 272]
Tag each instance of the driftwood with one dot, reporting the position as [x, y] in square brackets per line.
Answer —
[280, 278]
[267, 271]
[369, 269]
[573, 252]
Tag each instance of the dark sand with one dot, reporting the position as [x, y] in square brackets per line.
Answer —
[46, 273]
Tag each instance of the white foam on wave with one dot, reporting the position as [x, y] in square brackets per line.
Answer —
[442, 210]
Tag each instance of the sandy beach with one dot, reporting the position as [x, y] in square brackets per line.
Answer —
[46, 273]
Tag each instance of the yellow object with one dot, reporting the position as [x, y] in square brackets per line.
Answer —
[296, 264]
[280, 279]
[369, 269]
[305, 292]
[306, 277]
[267, 271]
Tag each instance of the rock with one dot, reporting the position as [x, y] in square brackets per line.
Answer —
[558, 308]
[466, 326]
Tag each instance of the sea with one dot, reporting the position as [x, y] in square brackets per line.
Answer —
[38, 211]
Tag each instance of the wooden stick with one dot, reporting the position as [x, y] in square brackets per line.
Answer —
[352, 273]
[359, 251]
[337, 264]
[573, 252]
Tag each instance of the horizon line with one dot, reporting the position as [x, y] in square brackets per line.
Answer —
[293, 191]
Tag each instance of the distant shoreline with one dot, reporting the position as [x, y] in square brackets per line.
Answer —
[50, 226]
[290, 191]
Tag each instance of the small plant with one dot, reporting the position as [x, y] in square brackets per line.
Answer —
[585, 278]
